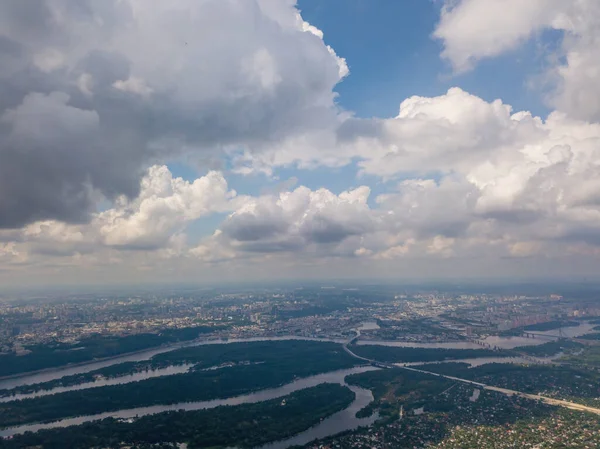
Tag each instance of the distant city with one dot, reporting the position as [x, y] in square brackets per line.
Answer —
[328, 312]
[344, 366]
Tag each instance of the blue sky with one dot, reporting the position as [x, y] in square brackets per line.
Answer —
[391, 55]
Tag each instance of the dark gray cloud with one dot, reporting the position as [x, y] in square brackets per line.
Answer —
[323, 229]
[53, 156]
[250, 228]
[92, 92]
[297, 220]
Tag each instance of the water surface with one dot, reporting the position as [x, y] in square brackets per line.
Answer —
[142, 375]
[344, 421]
[69, 370]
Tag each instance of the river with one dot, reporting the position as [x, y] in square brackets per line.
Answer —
[484, 360]
[69, 370]
[142, 375]
[339, 422]
[491, 341]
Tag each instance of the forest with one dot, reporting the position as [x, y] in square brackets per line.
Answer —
[95, 347]
[393, 354]
[550, 348]
[550, 325]
[276, 363]
[208, 356]
[243, 426]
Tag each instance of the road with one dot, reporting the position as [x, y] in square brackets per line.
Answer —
[506, 391]
[535, 397]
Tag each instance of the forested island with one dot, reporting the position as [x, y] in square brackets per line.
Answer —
[587, 357]
[273, 363]
[395, 387]
[95, 347]
[243, 426]
[550, 348]
[396, 354]
[550, 325]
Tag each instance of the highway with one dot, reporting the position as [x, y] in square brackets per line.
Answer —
[535, 397]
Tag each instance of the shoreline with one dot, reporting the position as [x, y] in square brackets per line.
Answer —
[88, 362]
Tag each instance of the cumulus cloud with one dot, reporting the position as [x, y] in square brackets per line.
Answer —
[487, 175]
[298, 219]
[475, 29]
[484, 172]
[165, 205]
[155, 220]
[93, 92]
[96, 96]
[472, 30]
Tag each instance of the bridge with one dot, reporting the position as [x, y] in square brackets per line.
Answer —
[528, 334]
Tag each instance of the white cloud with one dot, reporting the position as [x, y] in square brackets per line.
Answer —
[163, 208]
[461, 178]
[296, 221]
[199, 76]
[155, 220]
[132, 84]
[48, 60]
[472, 30]
[475, 29]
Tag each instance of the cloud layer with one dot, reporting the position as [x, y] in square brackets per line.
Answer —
[99, 97]
[93, 92]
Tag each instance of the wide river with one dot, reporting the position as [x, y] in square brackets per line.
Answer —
[142, 375]
[339, 422]
[491, 341]
[69, 370]
[500, 342]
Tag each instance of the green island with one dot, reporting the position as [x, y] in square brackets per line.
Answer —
[394, 387]
[588, 357]
[394, 354]
[243, 426]
[550, 348]
[108, 372]
[550, 325]
[95, 347]
[241, 369]
[595, 336]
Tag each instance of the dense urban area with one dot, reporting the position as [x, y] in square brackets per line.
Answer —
[331, 366]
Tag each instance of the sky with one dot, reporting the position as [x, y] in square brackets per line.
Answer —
[207, 141]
